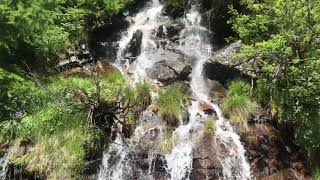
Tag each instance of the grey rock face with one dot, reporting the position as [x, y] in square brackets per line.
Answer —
[171, 69]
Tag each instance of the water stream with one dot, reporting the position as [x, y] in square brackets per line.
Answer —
[120, 161]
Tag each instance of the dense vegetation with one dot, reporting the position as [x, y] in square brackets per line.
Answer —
[37, 31]
[282, 37]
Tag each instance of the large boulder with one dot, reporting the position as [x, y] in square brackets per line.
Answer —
[170, 69]
[226, 60]
[222, 66]
[271, 156]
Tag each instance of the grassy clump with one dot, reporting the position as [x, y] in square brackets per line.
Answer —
[238, 105]
[210, 126]
[171, 101]
[167, 143]
[52, 122]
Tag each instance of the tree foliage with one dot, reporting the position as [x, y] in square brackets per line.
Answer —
[39, 29]
[282, 37]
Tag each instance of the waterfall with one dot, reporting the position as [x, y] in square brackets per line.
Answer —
[119, 160]
[4, 165]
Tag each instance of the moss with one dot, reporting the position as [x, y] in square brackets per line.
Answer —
[238, 105]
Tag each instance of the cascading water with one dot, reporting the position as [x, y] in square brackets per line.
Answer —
[4, 165]
[119, 160]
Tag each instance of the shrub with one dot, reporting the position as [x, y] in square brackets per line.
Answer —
[171, 101]
[238, 105]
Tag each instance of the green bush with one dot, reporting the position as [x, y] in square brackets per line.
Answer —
[280, 36]
[171, 101]
[238, 105]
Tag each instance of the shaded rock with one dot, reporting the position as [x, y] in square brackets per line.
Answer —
[185, 116]
[271, 157]
[159, 167]
[78, 71]
[134, 46]
[169, 70]
[222, 73]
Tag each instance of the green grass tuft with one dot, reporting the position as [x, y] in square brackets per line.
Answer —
[171, 102]
[210, 126]
[238, 105]
[167, 143]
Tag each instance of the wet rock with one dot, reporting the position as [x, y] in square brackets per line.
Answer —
[217, 91]
[206, 107]
[170, 70]
[169, 31]
[159, 167]
[272, 157]
[206, 161]
[134, 47]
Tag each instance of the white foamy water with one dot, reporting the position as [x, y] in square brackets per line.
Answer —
[118, 160]
[4, 165]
